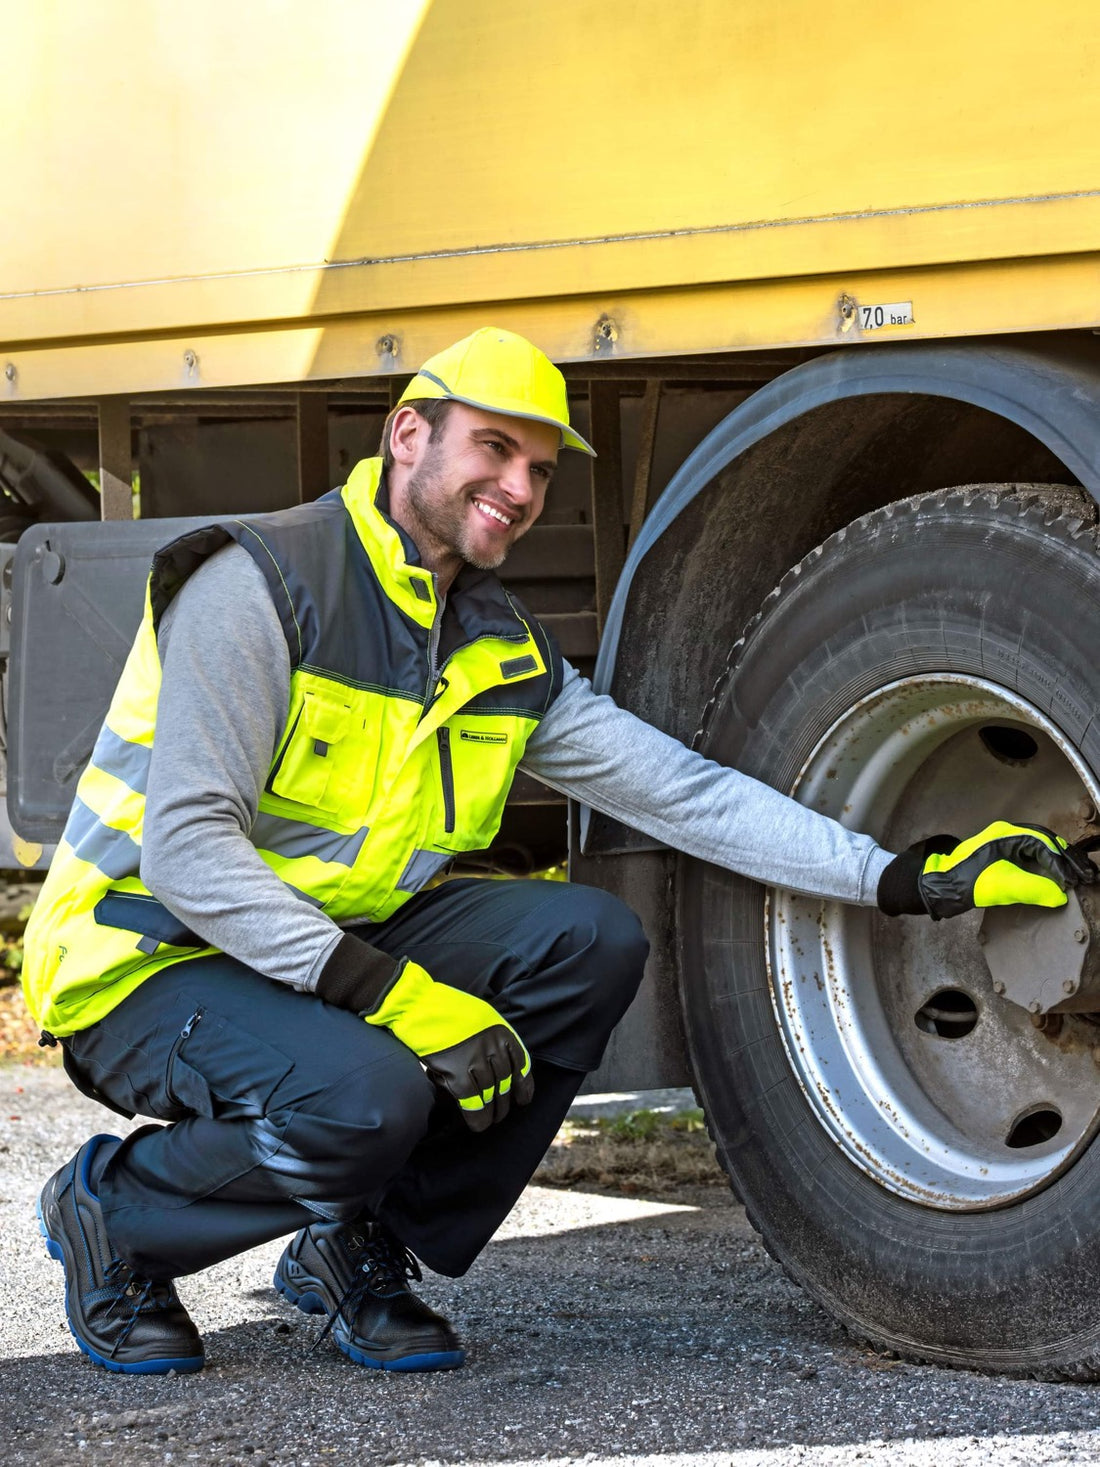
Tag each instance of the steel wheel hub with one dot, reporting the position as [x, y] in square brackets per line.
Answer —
[940, 1090]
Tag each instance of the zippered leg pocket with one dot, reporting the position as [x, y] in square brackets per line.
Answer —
[216, 1069]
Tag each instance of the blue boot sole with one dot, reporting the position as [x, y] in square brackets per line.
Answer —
[140, 1367]
[311, 1303]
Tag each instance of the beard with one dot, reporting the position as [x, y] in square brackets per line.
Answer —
[442, 517]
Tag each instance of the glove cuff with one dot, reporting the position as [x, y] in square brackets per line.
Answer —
[357, 976]
[899, 885]
[408, 990]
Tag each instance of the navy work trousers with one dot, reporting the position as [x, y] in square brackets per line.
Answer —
[284, 1109]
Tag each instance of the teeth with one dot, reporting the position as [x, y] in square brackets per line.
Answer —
[493, 513]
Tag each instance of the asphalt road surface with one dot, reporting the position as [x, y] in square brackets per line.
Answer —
[600, 1329]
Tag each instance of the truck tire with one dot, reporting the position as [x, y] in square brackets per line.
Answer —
[914, 1150]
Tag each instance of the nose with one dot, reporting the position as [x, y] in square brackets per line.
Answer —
[515, 480]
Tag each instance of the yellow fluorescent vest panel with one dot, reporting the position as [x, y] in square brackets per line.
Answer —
[182, 170]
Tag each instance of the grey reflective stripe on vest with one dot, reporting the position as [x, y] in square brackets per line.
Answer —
[111, 851]
[421, 867]
[126, 761]
[292, 838]
[310, 901]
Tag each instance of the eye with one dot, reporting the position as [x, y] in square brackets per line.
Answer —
[543, 473]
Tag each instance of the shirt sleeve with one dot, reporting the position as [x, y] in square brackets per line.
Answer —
[589, 748]
[222, 707]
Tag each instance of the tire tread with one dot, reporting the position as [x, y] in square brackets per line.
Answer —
[1066, 512]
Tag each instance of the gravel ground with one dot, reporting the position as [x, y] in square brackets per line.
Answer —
[600, 1329]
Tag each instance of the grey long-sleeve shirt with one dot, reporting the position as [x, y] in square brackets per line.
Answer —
[223, 707]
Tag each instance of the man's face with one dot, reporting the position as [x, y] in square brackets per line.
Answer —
[478, 485]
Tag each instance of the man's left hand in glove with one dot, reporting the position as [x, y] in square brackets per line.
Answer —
[1002, 865]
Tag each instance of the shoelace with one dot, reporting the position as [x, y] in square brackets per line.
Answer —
[141, 1294]
[385, 1263]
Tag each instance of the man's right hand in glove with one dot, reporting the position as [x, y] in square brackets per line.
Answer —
[1003, 865]
[466, 1047]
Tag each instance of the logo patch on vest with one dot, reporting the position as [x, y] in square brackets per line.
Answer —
[481, 738]
[515, 665]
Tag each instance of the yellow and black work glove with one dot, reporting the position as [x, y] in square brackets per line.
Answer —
[1002, 865]
[464, 1044]
[467, 1048]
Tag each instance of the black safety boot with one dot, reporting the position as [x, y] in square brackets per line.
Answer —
[357, 1273]
[121, 1320]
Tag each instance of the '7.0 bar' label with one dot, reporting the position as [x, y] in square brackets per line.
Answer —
[895, 313]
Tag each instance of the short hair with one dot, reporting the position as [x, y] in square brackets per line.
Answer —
[433, 410]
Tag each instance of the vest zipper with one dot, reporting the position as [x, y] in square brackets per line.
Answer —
[433, 649]
[446, 772]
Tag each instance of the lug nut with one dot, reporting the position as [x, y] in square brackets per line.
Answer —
[998, 986]
[1080, 934]
[1068, 986]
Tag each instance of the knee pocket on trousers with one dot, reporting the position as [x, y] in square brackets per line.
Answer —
[566, 1010]
[612, 936]
[601, 920]
[370, 1118]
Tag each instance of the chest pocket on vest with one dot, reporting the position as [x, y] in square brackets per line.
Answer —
[326, 762]
[483, 754]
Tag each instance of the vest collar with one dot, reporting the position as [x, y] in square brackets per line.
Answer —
[391, 552]
[480, 604]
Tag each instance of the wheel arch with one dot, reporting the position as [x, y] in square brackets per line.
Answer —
[840, 435]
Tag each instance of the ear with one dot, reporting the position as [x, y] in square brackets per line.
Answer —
[407, 432]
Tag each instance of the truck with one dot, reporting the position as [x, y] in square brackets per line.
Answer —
[824, 281]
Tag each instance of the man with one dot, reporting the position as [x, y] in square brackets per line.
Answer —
[322, 707]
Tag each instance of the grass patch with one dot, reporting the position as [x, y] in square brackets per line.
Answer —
[18, 1031]
[642, 1151]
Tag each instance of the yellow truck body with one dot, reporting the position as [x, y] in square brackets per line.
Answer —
[212, 195]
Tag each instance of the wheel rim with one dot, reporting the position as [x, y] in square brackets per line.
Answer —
[930, 1084]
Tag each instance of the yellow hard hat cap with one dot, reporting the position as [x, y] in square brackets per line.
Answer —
[500, 372]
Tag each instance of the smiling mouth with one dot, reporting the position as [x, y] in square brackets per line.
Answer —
[491, 512]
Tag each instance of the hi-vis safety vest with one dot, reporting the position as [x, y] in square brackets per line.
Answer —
[383, 772]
